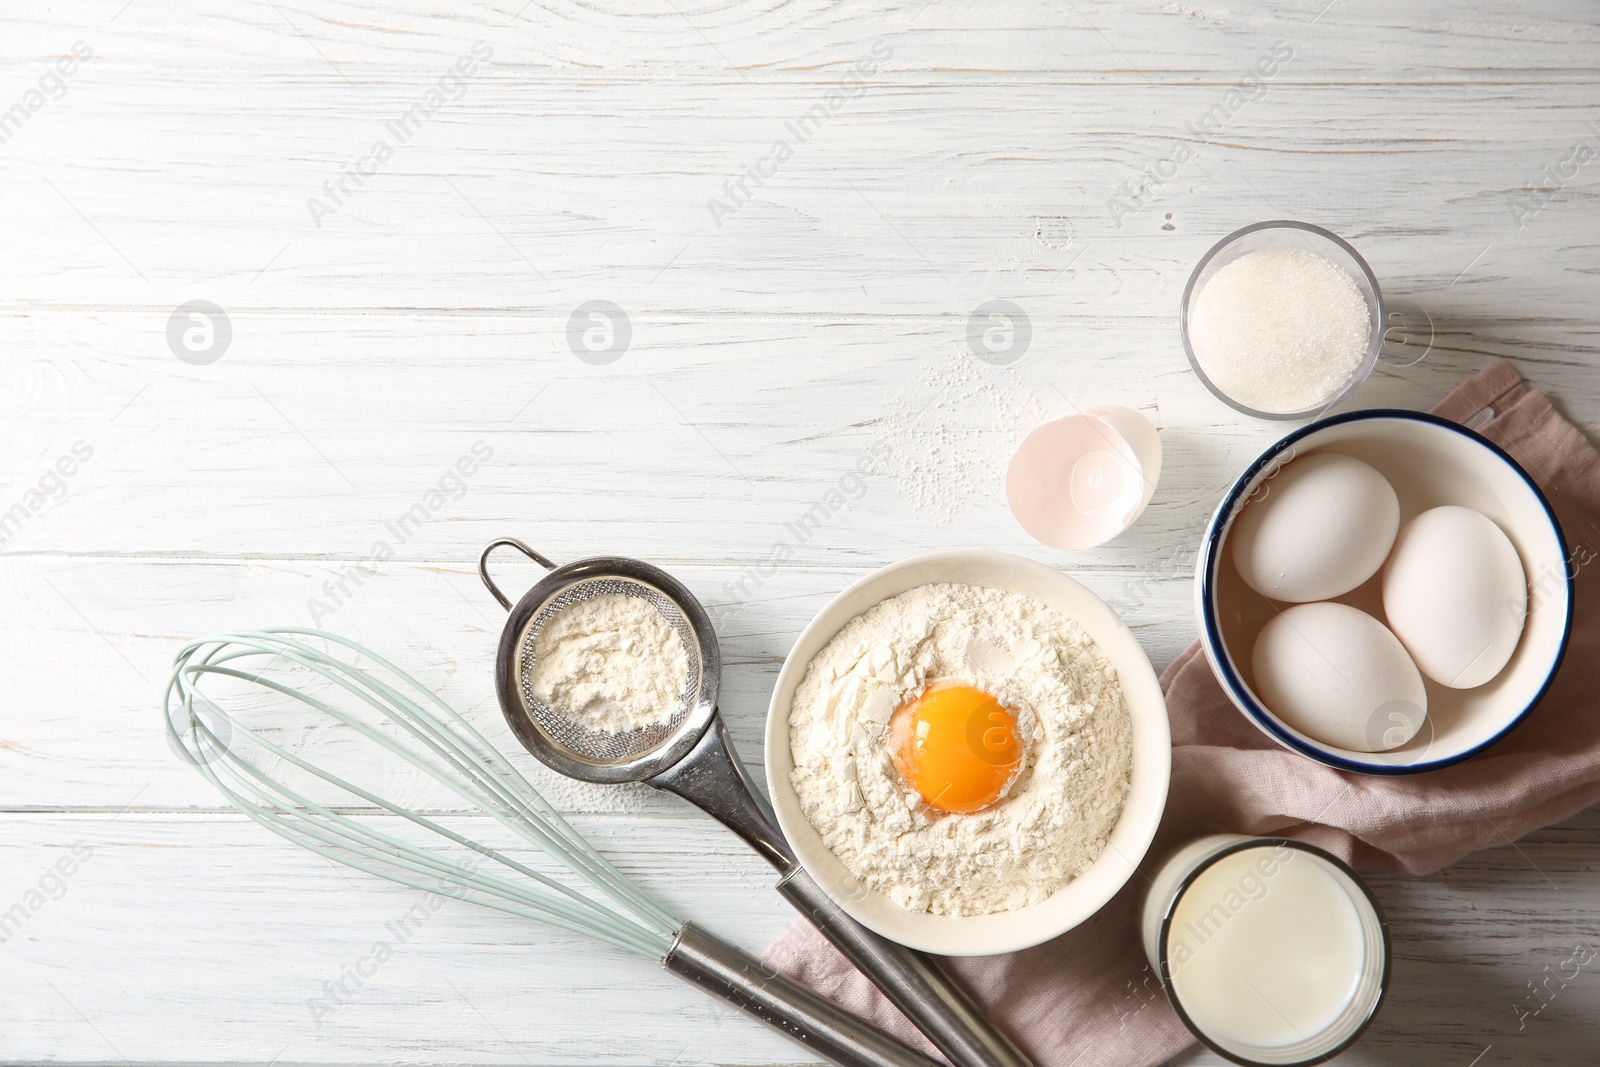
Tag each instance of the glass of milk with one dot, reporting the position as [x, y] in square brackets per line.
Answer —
[1271, 951]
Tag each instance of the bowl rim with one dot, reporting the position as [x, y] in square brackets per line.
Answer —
[785, 802]
[1374, 345]
[1211, 633]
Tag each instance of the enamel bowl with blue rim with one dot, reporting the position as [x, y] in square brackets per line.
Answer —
[1430, 462]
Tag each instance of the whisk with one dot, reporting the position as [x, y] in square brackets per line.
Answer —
[392, 711]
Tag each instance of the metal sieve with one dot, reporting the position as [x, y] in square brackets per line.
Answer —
[601, 746]
[690, 755]
[559, 740]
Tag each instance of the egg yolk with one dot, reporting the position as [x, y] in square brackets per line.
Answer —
[956, 746]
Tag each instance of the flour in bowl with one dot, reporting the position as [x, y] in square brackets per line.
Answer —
[1056, 709]
[610, 663]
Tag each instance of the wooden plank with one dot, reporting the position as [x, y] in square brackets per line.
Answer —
[215, 922]
[91, 653]
[1429, 39]
[315, 435]
[212, 920]
[917, 198]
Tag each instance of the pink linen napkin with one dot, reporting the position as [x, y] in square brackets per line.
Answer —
[1088, 998]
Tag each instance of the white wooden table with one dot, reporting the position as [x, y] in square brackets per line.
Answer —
[426, 308]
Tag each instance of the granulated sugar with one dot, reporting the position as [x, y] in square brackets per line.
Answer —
[947, 442]
[1281, 330]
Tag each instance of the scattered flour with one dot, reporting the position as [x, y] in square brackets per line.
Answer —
[1074, 726]
[1280, 330]
[952, 449]
[610, 663]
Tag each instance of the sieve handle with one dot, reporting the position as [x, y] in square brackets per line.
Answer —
[825, 1029]
[713, 779]
[912, 980]
[501, 542]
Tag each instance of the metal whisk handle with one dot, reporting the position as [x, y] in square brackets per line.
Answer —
[788, 1007]
[910, 979]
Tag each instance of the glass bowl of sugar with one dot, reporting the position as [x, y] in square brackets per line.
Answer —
[1282, 320]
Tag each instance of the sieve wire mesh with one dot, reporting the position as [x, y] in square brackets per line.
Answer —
[599, 746]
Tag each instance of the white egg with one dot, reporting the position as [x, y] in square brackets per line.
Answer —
[1456, 595]
[1319, 528]
[1339, 676]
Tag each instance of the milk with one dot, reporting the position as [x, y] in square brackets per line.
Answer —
[1265, 948]
[1273, 951]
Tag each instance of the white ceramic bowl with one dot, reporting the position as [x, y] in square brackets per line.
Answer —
[984, 935]
[1431, 462]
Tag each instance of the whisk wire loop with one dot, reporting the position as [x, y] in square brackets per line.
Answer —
[446, 747]
[495, 796]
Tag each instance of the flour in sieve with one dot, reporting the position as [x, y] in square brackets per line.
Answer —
[1076, 734]
[610, 663]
